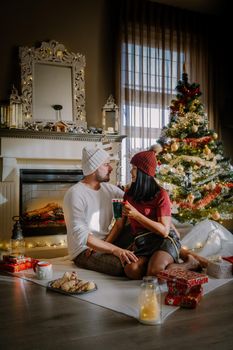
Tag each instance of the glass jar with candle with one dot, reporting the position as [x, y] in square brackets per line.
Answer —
[150, 311]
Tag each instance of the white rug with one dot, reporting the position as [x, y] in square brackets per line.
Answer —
[115, 293]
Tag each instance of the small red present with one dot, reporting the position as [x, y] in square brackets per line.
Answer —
[29, 264]
[177, 288]
[171, 299]
[12, 267]
[23, 264]
[14, 259]
[228, 258]
[189, 278]
[191, 300]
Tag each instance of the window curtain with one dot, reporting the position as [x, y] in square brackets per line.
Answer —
[155, 44]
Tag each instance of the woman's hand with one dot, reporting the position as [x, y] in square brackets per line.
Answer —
[160, 227]
[125, 256]
[130, 211]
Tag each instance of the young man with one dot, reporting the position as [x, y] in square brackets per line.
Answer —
[88, 215]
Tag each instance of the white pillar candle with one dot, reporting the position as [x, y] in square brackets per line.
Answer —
[20, 116]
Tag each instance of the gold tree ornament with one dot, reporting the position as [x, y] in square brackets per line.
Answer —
[212, 185]
[181, 109]
[174, 146]
[206, 150]
[180, 169]
[190, 198]
[215, 136]
[167, 156]
[216, 215]
[194, 128]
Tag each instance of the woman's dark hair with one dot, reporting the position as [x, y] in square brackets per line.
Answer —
[144, 188]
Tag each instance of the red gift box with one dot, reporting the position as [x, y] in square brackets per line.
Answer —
[11, 267]
[14, 259]
[177, 288]
[23, 263]
[228, 258]
[171, 299]
[189, 300]
[189, 278]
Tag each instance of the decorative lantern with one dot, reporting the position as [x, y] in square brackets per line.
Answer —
[16, 111]
[110, 116]
[17, 244]
[150, 302]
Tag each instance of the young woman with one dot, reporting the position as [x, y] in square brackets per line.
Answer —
[147, 209]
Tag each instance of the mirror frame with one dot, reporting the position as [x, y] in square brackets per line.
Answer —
[53, 52]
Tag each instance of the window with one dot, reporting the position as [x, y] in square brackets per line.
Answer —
[149, 76]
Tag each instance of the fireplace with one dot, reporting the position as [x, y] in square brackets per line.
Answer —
[40, 200]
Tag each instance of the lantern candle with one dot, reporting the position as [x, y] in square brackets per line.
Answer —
[150, 302]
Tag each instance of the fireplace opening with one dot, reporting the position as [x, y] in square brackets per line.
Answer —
[41, 197]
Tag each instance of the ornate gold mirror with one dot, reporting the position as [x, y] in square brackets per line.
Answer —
[53, 85]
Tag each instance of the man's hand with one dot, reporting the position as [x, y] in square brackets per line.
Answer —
[125, 256]
[89, 252]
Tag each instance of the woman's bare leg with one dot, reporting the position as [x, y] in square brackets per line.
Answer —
[137, 270]
[159, 261]
[162, 260]
[190, 263]
[185, 255]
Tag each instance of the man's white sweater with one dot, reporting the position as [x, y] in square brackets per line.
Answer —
[88, 211]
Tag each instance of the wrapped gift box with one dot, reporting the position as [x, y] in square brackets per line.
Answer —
[220, 269]
[15, 259]
[12, 267]
[178, 275]
[228, 258]
[189, 300]
[171, 299]
[13, 264]
[177, 288]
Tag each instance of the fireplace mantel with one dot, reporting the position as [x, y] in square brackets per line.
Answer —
[46, 149]
[23, 149]
[53, 135]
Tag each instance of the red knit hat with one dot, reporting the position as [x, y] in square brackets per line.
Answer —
[145, 161]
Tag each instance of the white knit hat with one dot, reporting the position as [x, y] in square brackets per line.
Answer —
[92, 158]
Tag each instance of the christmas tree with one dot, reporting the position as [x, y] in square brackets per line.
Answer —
[192, 166]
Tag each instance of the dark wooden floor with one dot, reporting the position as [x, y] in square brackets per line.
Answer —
[33, 319]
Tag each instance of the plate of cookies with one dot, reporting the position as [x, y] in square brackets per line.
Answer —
[70, 284]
